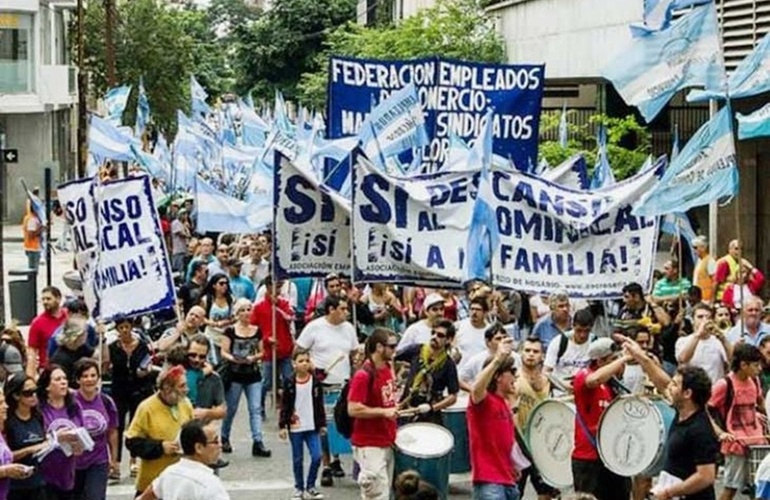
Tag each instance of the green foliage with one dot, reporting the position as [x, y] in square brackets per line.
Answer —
[273, 51]
[453, 28]
[621, 132]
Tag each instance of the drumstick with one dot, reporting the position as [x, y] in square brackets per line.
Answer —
[335, 363]
[559, 384]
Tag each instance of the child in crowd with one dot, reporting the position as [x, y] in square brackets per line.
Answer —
[303, 420]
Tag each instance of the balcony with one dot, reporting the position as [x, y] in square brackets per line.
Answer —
[56, 87]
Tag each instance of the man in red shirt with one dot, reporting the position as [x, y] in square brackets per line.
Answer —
[491, 427]
[592, 395]
[262, 318]
[372, 405]
[43, 328]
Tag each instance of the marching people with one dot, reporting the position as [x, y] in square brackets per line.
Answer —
[706, 347]
[568, 352]
[493, 335]
[432, 372]
[469, 339]
[217, 301]
[302, 420]
[204, 386]
[672, 286]
[557, 321]
[183, 331]
[593, 394]
[419, 332]
[491, 427]
[42, 328]
[372, 405]
[729, 268]
[332, 287]
[191, 478]
[26, 436]
[750, 328]
[190, 293]
[205, 254]
[705, 269]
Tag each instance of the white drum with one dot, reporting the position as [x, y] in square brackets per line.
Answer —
[425, 448]
[632, 435]
[551, 439]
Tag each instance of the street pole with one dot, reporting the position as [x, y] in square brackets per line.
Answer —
[82, 90]
[713, 207]
[109, 42]
[2, 226]
[48, 242]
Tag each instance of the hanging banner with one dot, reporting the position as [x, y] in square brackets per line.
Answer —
[119, 246]
[312, 224]
[551, 238]
[454, 95]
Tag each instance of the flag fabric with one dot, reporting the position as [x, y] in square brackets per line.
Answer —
[571, 173]
[393, 126]
[654, 67]
[481, 152]
[677, 224]
[281, 116]
[198, 97]
[563, 127]
[658, 13]
[756, 124]
[107, 142]
[142, 110]
[751, 77]
[602, 176]
[115, 101]
[675, 144]
[484, 233]
[704, 171]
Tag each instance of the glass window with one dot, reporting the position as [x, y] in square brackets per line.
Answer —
[17, 55]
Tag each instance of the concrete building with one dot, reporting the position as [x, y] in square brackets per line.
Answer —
[38, 89]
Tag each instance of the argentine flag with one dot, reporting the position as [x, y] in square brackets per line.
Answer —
[198, 96]
[658, 13]
[704, 171]
[142, 110]
[107, 142]
[654, 67]
[115, 101]
[756, 124]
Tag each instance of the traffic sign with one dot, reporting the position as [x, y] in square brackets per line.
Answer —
[10, 155]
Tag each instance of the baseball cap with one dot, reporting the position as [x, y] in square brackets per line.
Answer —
[431, 300]
[601, 348]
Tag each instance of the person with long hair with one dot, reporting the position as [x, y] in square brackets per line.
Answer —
[217, 300]
[23, 437]
[62, 415]
[129, 358]
[12, 338]
[101, 422]
[242, 350]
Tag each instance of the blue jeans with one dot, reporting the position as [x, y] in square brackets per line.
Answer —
[488, 491]
[285, 372]
[253, 395]
[313, 441]
[91, 483]
[33, 259]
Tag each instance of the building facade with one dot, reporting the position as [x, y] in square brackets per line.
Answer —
[38, 91]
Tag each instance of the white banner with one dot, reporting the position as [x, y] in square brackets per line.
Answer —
[551, 238]
[119, 246]
[312, 225]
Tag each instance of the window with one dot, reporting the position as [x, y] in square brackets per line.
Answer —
[17, 56]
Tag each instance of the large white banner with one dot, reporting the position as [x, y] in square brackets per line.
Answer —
[312, 224]
[551, 237]
[119, 246]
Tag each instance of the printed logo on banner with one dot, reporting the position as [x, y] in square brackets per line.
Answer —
[312, 224]
[119, 246]
[455, 96]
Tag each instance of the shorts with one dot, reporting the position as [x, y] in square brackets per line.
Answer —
[736, 472]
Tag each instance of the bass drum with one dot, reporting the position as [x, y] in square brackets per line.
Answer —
[551, 438]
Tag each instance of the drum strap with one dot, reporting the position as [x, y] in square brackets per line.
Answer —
[583, 426]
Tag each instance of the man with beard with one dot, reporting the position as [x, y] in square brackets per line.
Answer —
[420, 331]
[42, 328]
[691, 447]
[470, 331]
[190, 293]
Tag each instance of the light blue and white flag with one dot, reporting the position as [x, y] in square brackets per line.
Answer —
[198, 95]
[395, 125]
[675, 144]
[484, 233]
[481, 151]
[677, 224]
[563, 127]
[756, 124]
[751, 77]
[107, 142]
[654, 67]
[281, 116]
[658, 14]
[142, 110]
[571, 173]
[115, 101]
[704, 171]
[602, 176]
[151, 164]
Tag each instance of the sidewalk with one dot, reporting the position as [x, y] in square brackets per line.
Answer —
[12, 232]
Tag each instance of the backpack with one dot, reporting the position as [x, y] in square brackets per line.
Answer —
[342, 419]
[564, 342]
[720, 414]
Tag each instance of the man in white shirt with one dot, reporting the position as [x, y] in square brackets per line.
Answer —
[568, 352]
[191, 478]
[419, 332]
[493, 335]
[750, 329]
[469, 339]
[706, 347]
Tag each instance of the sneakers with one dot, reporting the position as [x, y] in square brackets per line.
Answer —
[313, 494]
[298, 495]
[336, 468]
[258, 450]
[327, 478]
[226, 448]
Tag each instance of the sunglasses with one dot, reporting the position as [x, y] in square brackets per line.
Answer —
[391, 345]
[28, 393]
[438, 334]
[193, 355]
[222, 283]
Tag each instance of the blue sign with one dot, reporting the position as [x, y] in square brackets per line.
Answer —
[455, 96]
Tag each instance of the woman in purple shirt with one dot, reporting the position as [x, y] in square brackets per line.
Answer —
[62, 415]
[101, 421]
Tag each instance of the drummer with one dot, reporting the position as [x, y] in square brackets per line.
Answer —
[431, 373]
[593, 394]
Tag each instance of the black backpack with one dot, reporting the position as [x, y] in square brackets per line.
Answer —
[342, 419]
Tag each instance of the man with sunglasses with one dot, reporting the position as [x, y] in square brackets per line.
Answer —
[420, 331]
[432, 372]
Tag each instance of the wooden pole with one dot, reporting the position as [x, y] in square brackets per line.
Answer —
[82, 91]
